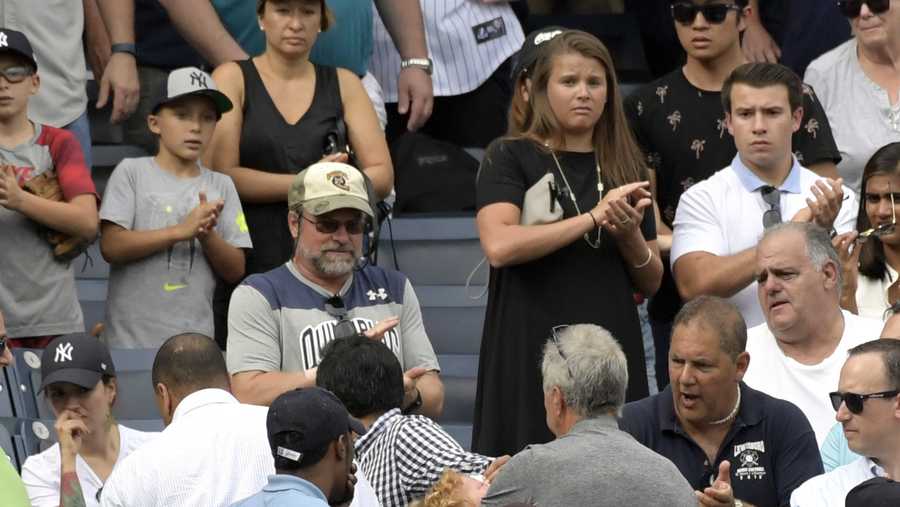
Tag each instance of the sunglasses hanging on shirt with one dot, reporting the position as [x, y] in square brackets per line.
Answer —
[852, 8]
[334, 307]
[772, 197]
[686, 12]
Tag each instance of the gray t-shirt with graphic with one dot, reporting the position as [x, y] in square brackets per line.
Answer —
[277, 320]
[169, 292]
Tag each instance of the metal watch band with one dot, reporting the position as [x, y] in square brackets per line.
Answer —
[422, 63]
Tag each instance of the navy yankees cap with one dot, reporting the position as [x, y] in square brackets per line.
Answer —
[315, 413]
[12, 41]
[78, 359]
[188, 81]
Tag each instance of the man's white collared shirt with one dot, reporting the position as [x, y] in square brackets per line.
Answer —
[214, 453]
[722, 215]
[830, 490]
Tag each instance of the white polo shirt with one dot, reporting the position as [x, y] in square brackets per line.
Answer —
[830, 490]
[723, 214]
[872, 295]
[804, 385]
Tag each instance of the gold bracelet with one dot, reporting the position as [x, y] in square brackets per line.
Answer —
[649, 258]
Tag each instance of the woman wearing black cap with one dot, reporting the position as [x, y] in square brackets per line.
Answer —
[79, 381]
[562, 220]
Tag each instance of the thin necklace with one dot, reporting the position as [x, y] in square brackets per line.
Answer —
[587, 238]
[733, 413]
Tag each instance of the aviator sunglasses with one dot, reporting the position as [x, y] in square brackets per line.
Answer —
[852, 8]
[855, 401]
[685, 13]
[16, 74]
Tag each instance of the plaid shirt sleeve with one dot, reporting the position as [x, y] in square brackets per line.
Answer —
[424, 450]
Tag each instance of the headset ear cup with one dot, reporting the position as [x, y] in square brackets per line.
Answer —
[373, 224]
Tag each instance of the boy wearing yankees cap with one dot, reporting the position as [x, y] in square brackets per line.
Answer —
[45, 190]
[170, 226]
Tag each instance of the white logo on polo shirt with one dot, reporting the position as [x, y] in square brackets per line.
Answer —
[3, 42]
[381, 294]
[749, 456]
[63, 353]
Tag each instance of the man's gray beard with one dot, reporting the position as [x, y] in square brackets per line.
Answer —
[329, 267]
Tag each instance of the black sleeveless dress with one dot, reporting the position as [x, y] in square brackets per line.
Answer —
[269, 143]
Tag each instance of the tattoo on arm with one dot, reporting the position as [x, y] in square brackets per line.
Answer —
[70, 494]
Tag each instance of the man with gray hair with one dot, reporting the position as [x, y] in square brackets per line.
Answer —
[591, 462]
[798, 352]
[735, 445]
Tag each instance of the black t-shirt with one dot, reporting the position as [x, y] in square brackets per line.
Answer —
[771, 446]
[157, 41]
[575, 284]
[682, 131]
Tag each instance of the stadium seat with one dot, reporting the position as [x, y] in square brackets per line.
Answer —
[7, 430]
[26, 377]
[7, 385]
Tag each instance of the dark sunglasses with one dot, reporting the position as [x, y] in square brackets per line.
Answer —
[855, 401]
[772, 197]
[685, 13]
[16, 74]
[329, 226]
[852, 8]
[334, 307]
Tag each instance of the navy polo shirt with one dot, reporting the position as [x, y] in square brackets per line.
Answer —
[771, 446]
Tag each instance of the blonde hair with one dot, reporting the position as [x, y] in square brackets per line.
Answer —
[617, 151]
[445, 492]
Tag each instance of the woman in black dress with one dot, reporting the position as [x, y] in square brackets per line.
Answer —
[565, 219]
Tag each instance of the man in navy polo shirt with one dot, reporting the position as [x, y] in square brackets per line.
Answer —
[735, 445]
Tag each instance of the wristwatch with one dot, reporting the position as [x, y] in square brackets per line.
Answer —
[124, 47]
[414, 405]
[422, 63]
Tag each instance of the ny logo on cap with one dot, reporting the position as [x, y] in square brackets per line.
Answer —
[63, 352]
[198, 79]
[3, 42]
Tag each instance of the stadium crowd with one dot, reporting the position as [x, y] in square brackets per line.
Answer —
[693, 295]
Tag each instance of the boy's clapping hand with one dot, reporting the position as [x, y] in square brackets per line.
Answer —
[202, 219]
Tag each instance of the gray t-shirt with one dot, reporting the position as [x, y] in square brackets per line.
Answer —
[169, 292]
[277, 320]
[594, 464]
[859, 111]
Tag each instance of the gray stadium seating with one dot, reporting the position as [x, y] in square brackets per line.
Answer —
[6, 387]
[7, 443]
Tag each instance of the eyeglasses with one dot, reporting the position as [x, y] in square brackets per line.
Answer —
[16, 74]
[855, 401]
[555, 337]
[334, 307]
[329, 226]
[772, 197]
[685, 13]
[883, 229]
[852, 8]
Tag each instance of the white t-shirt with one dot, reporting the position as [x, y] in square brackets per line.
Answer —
[41, 472]
[872, 295]
[830, 490]
[722, 215]
[806, 386]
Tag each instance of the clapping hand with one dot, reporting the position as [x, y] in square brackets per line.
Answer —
[201, 219]
[720, 493]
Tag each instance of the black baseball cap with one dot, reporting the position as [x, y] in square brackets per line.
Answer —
[315, 413]
[526, 56]
[77, 359]
[877, 492]
[13, 41]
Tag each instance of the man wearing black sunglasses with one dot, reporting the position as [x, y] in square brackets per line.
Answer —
[868, 407]
[680, 123]
[280, 321]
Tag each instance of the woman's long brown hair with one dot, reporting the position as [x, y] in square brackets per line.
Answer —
[621, 160]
